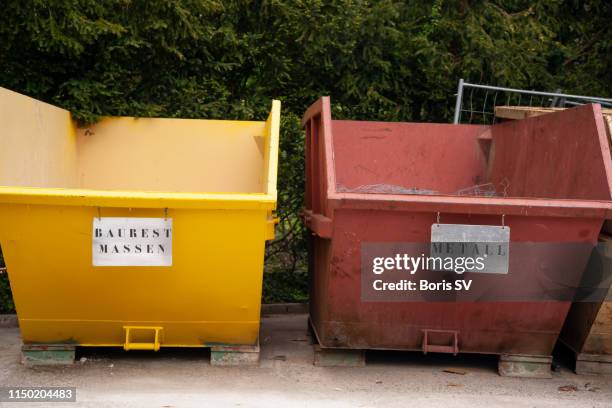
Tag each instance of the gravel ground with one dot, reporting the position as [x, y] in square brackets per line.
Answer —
[287, 378]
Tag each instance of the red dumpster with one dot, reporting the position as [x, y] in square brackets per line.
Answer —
[379, 182]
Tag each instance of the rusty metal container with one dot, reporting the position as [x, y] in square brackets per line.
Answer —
[551, 194]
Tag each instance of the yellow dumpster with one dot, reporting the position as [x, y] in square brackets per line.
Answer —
[135, 232]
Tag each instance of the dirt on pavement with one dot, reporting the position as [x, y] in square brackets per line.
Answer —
[286, 377]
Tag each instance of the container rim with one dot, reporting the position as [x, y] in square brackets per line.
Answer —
[135, 199]
[476, 205]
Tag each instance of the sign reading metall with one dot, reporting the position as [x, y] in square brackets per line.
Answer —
[132, 241]
[482, 248]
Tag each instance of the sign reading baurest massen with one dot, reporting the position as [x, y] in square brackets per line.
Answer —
[132, 241]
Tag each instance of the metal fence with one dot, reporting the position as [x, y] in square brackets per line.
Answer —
[476, 103]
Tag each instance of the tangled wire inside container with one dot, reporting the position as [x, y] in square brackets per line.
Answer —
[478, 190]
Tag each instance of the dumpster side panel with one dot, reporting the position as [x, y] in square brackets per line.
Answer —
[270, 154]
[528, 153]
[320, 176]
[319, 251]
[37, 145]
[211, 294]
[270, 163]
[486, 327]
[319, 182]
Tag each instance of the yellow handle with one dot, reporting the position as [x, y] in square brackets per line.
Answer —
[155, 345]
[270, 227]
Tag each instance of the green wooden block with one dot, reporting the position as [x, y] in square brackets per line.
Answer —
[234, 355]
[324, 357]
[47, 354]
[511, 365]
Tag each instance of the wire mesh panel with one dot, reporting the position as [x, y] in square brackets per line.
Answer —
[476, 103]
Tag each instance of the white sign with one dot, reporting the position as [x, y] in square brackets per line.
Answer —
[132, 241]
[490, 243]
